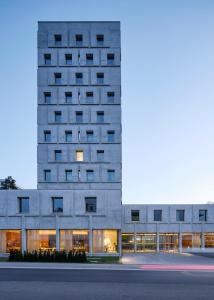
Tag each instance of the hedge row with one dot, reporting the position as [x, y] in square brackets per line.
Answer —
[48, 256]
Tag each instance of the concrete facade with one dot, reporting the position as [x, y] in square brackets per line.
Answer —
[78, 201]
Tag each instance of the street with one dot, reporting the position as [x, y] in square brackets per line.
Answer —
[30, 284]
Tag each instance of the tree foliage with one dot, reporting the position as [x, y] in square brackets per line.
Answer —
[9, 184]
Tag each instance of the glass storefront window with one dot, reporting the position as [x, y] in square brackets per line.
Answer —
[191, 240]
[168, 242]
[77, 240]
[10, 240]
[209, 240]
[105, 241]
[146, 242]
[41, 240]
[128, 242]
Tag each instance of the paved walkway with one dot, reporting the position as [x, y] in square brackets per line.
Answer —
[166, 258]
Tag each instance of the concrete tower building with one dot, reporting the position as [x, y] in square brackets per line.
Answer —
[79, 106]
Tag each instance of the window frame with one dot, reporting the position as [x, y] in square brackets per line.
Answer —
[135, 218]
[91, 205]
[21, 210]
[53, 204]
[155, 216]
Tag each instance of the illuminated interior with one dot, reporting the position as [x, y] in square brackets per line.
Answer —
[128, 242]
[209, 240]
[77, 240]
[168, 242]
[10, 240]
[41, 240]
[146, 242]
[105, 241]
[191, 240]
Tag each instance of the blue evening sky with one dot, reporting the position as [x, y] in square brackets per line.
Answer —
[167, 92]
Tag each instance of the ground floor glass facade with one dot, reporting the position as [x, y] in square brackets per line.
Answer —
[128, 242]
[105, 241]
[44, 240]
[168, 242]
[146, 242]
[77, 240]
[10, 240]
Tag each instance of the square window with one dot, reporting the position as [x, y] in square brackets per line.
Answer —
[110, 97]
[100, 78]
[89, 58]
[58, 155]
[157, 215]
[202, 215]
[111, 136]
[79, 39]
[68, 175]
[90, 204]
[68, 136]
[57, 204]
[135, 215]
[111, 175]
[47, 58]
[180, 215]
[47, 97]
[58, 78]
[47, 136]
[47, 175]
[100, 39]
[79, 78]
[79, 155]
[24, 205]
[110, 58]
[68, 59]
[100, 155]
[90, 175]
[58, 39]
[58, 116]
[100, 116]
[79, 116]
[90, 136]
[68, 97]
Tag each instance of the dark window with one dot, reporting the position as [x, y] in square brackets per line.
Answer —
[68, 59]
[57, 204]
[157, 215]
[90, 136]
[111, 175]
[202, 215]
[47, 97]
[100, 116]
[68, 136]
[79, 78]
[89, 97]
[58, 116]
[135, 215]
[90, 175]
[68, 97]
[79, 116]
[110, 58]
[58, 155]
[100, 39]
[90, 204]
[47, 136]
[58, 78]
[58, 39]
[89, 58]
[111, 136]
[68, 175]
[100, 78]
[47, 175]
[110, 97]
[100, 155]
[24, 205]
[47, 59]
[79, 39]
[180, 215]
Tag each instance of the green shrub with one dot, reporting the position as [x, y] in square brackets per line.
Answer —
[48, 256]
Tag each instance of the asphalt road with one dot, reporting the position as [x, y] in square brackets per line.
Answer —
[30, 284]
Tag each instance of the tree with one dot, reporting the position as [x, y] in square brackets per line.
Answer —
[9, 184]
